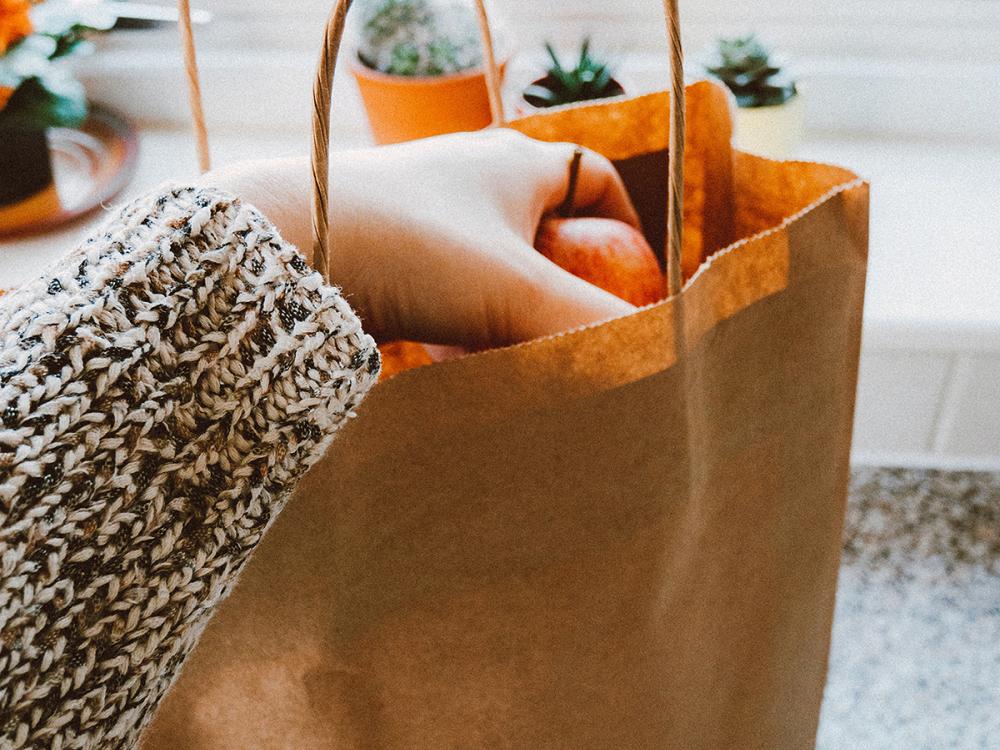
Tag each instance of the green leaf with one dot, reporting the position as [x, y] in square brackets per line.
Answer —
[540, 96]
[57, 18]
[38, 104]
[27, 59]
[563, 78]
[744, 64]
[584, 53]
[72, 45]
[557, 68]
[603, 80]
[436, 38]
[590, 78]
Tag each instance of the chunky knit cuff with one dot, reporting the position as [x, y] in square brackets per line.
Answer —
[160, 393]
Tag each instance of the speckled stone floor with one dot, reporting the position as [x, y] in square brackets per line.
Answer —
[916, 644]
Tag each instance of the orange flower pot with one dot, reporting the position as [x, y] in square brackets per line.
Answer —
[404, 108]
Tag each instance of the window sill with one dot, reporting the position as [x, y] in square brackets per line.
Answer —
[270, 91]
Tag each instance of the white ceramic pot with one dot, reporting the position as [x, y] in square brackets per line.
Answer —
[774, 132]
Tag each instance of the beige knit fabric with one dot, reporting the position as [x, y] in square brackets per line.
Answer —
[160, 393]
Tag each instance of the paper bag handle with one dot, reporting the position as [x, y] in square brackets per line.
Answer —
[675, 176]
[194, 85]
[321, 123]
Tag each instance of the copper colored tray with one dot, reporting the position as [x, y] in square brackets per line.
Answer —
[90, 164]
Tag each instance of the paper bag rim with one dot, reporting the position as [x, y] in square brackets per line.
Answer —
[697, 279]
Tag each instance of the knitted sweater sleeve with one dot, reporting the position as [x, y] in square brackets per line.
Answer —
[160, 393]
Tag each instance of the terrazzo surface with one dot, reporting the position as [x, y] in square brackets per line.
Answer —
[915, 662]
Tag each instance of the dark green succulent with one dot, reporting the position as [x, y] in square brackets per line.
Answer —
[590, 78]
[745, 66]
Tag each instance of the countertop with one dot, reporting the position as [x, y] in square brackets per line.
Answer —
[916, 637]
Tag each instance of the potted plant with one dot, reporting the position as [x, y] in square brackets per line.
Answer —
[37, 91]
[591, 77]
[419, 68]
[769, 108]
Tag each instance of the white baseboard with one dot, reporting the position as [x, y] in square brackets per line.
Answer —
[924, 461]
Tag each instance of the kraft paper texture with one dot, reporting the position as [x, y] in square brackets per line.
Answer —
[625, 536]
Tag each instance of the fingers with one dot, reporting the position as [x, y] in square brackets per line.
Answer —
[599, 190]
[553, 300]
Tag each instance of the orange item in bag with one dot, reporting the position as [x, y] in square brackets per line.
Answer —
[402, 355]
[607, 253]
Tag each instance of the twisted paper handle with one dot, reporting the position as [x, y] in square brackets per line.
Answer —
[675, 178]
[675, 181]
[321, 123]
[194, 85]
[490, 66]
[321, 135]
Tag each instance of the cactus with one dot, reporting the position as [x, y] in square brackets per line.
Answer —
[419, 37]
[590, 78]
[745, 66]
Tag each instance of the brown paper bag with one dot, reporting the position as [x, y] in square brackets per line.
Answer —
[625, 536]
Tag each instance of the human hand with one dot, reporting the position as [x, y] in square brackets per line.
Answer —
[432, 240]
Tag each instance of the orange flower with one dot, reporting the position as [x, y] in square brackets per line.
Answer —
[6, 92]
[14, 22]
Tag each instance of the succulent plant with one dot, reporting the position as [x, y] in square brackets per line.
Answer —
[746, 67]
[590, 78]
[419, 37]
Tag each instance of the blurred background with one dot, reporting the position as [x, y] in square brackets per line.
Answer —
[904, 92]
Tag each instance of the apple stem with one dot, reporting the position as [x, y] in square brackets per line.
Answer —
[565, 209]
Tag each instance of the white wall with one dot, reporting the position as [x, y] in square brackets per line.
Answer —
[907, 67]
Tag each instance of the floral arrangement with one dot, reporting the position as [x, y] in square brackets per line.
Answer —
[419, 37]
[37, 90]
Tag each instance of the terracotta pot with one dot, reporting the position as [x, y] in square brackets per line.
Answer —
[523, 107]
[404, 108]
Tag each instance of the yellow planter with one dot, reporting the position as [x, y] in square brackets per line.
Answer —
[774, 132]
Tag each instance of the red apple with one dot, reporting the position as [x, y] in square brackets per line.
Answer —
[402, 355]
[398, 356]
[608, 253]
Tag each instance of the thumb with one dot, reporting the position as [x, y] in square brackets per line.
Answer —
[557, 301]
